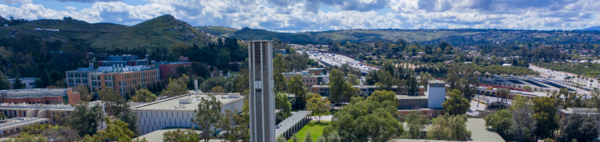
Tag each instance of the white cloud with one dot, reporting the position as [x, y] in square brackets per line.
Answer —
[299, 15]
[70, 8]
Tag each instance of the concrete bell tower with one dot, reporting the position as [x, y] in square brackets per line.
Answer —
[261, 96]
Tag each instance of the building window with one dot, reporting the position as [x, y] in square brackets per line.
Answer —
[77, 81]
[85, 81]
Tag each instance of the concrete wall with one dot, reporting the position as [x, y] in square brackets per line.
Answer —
[437, 95]
[412, 103]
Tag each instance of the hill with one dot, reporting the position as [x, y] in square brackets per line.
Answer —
[218, 30]
[68, 29]
[426, 36]
[162, 31]
[596, 28]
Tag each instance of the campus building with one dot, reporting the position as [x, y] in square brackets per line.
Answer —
[177, 112]
[40, 96]
[308, 78]
[591, 112]
[28, 82]
[167, 68]
[429, 104]
[125, 60]
[262, 96]
[121, 78]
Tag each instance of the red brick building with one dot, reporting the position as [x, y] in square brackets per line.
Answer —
[169, 67]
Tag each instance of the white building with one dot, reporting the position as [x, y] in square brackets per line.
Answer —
[436, 93]
[28, 82]
[177, 112]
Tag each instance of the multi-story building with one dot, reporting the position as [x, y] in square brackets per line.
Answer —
[170, 67]
[308, 78]
[177, 112]
[121, 78]
[28, 82]
[40, 96]
[125, 60]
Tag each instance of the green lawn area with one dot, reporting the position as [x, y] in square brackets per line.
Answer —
[332, 112]
[316, 130]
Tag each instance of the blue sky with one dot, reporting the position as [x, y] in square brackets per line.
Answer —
[319, 15]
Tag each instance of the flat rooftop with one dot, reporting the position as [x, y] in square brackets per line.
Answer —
[24, 106]
[188, 102]
[406, 97]
[479, 133]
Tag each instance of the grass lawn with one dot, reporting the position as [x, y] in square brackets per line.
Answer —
[316, 130]
[332, 112]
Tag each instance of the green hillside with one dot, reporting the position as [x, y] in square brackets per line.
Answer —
[163, 31]
[341, 36]
[68, 28]
[218, 30]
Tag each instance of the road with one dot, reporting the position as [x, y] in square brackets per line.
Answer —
[339, 60]
[560, 76]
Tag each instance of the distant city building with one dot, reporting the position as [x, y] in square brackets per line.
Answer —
[177, 112]
[28, 82]
[40, 96]
[506, 65]
[169, 67]
[280, 51]
[121, 78]
[262, 96]
[124, 60]
[183, 58]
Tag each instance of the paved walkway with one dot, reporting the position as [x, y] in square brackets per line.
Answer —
[323, 117]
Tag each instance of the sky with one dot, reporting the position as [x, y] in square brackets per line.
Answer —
[321, 15]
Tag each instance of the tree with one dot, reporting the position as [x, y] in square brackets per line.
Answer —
[295, 138]
[329, 137]
[522, 113]
[503, 93]
[130, 117]
[280, 138]
[18, 83]
[116, 130]
[546, 120]
[176, 86]
[112, 101]
[415, 123]
[449, 127]
[278, 69]
[4, 83]
[25, 137]
[85, 119]
[296, 87]
[363, 119]
[425, 78]
[500, 121]
[456, 104]
[282, 102]
[179, 135]
[340, 89]
[353, 79]
[223, 59]
[317, 105]
[308, 137]
[579, 127]
[218, 89]
[234, 133]
[84, 92]
[207, 115]
[143, 95]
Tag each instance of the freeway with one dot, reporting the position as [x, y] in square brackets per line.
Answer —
[338, 60]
